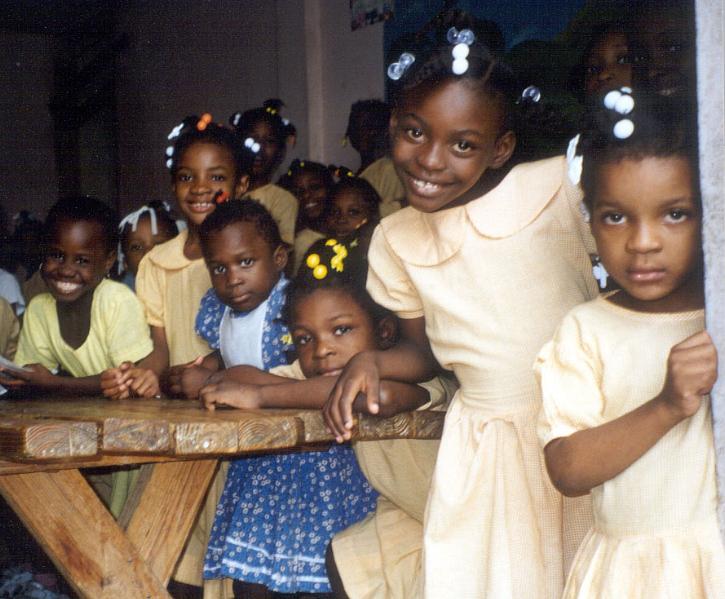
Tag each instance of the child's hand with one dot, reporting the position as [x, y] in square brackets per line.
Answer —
[230, 393]
[115, 381]
[691, 373]
[36, 375]
[187, 379]
[360, 376]
[143, 382]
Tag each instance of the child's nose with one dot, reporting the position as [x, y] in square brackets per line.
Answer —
[644, 239]
[323, 348]
[430, 157]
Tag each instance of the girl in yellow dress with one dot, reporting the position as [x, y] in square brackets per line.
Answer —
[479, 266]
[267, 128]
[625, 414]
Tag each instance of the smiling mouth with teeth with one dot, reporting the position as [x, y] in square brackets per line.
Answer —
[425, 185]
[66, 286]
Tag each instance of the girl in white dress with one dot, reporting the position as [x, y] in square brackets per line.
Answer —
[625, 414]
[480, 266]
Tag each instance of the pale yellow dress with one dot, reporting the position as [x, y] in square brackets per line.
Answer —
[282, 205]
[492, 278]
[118, 333]
[379, 557]
[655, 533]
[171, 287]
[382, 176]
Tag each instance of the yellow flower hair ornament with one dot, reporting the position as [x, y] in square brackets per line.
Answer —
[340, 255]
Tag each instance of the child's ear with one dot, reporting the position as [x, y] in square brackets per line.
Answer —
[241, 187]
[280, 257]
[505, 146]
[386, 332]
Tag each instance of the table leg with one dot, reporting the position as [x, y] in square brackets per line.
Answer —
[81, 537]
[167, 500]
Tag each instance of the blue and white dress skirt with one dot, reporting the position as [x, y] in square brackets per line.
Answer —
[277, 513]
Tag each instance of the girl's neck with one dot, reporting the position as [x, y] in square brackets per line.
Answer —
[192, 245]
[74, 319]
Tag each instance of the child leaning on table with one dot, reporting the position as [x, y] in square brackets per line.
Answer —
[85, 323]
[331, 318]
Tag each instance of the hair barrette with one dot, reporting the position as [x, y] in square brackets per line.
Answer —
[203, 121]
[271, 110]
[574, 161]
[621, 102]
[176, 131]
[397, 69]
[252, 145]
[220, 197]
[462, 39]
[319, 271]
[236, 117]
[531, 93]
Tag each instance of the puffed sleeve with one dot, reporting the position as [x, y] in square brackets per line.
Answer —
[34, 345]
[569, 373]
[209, 318]
[150, 290]
[127, 335]
[388, 282]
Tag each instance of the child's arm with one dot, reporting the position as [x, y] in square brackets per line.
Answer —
[588, 458]
[395, 397]
[39, 377]
[410, 361]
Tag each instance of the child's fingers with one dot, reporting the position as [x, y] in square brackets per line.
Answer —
[332, 416]
[195, 362]
[701, 338]
[6, 381]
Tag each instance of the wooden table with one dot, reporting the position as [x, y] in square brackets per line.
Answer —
[44, 443]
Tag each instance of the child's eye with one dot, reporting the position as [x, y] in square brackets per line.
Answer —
[463, 146]
[246, 262]
[135, 247]
[218, 270]
[676, 215]
[58, 256]
[82, 260]
[593, 70]
[342, 330]
[218, 178]
[623, 59]
[183, 177]
[613, 218]
[413, 132]
[301, 340]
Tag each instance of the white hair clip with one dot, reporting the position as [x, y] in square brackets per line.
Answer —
[574, 161]
[531, 94]
[236, 118]
[621, 102]
[252, 145]
[397, 69]
[462, 39]
[600, 273]
[132, 219]
[176, 131]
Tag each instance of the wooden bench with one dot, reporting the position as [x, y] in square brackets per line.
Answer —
[43, 444]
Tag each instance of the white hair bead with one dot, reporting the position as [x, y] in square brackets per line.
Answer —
[623, 129]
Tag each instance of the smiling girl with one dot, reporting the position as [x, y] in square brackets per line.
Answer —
[479, 267]
[625, 381]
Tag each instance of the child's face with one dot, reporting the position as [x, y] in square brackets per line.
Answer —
[138, 243]
[664, 54]
[608, 66]
[310, 191]
[242, 265]
[76, 260]
[271, 149]
[203, 170]
[444, 142]
[329, 327]
[348, 212]
[646, 222]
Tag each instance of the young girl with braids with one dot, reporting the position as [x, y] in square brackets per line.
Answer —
[625, 380]
[265, 131]
[479, 267]
[310, 182]
[139, 232]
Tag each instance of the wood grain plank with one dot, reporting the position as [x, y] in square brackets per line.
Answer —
[169, 502]
[136, 435]
[80, 536]
[23, 439]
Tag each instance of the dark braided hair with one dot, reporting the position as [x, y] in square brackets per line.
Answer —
[192, 132]
[663, 127]
[269, 112]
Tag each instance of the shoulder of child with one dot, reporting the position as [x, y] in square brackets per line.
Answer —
[109, 293]
[167, 255]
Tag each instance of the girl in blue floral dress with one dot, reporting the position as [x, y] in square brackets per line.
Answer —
[277, 513]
